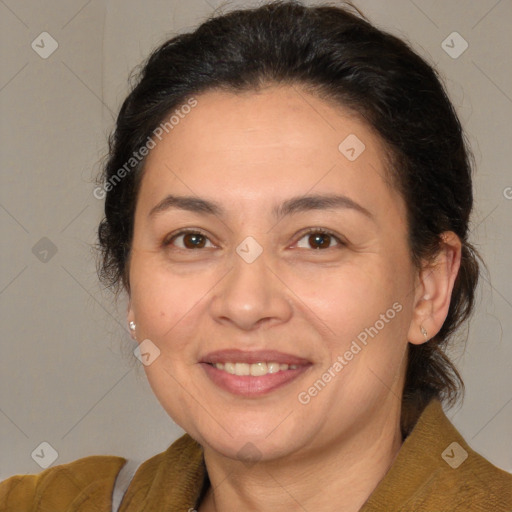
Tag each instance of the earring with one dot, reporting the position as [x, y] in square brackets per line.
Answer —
[424, 332]
[132, 326]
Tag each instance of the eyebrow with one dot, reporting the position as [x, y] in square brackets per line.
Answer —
[291, 206]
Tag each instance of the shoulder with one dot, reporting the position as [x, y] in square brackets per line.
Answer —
[464, 481]
[457, 470]
[64, 487]
[172, 478]
[436, 469]
[476, 484]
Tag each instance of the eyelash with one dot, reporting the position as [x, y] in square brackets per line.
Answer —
[168, 241]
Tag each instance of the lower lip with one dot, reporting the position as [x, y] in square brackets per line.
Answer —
[248, 385]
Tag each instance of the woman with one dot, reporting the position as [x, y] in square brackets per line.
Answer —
[287, 200]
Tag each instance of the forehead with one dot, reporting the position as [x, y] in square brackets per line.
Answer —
[281, 139]
[276, 118]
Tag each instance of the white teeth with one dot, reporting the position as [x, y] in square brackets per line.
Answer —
[242, 369]
[258, 369]
[273, 367]
[229, 367]
[255, 369]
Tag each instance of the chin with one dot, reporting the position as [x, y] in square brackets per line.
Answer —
[248, 449]
[265, 441]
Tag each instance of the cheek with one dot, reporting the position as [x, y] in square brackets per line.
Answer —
[351, 297]
[366, 314]
[162, 300]
[364, 307]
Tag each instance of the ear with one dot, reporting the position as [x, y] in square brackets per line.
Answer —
[434, 285]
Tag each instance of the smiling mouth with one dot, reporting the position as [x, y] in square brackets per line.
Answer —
[253, 380]
[253, 373]
[254, 369]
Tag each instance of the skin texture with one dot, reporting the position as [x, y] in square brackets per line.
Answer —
[249, 152]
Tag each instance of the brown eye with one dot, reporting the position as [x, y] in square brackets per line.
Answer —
[189, 240]
[319, 239]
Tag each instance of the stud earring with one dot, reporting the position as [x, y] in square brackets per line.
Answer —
[132, 326]
[424, 332]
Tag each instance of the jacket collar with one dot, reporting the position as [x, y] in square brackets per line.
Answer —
[419, 462]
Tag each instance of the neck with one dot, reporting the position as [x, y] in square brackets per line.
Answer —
[339, 477]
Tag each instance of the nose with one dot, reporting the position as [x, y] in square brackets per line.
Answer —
[251, 295]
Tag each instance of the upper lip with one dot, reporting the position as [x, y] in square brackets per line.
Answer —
[253, 356]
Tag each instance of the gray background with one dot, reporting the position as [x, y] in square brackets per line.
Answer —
[67, 373]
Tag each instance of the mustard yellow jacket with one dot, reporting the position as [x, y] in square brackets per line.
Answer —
[435, 471]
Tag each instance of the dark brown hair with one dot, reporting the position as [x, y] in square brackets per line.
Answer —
[335, 53]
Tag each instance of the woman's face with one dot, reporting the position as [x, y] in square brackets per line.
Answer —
[257, 170]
